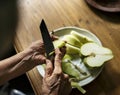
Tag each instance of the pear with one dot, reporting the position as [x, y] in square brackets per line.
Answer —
[76, 85]
[69, 69]
[82, 38]
[93, 48]
[58, 43]
[95, 55]
[70, 39]
[97, 60]
[69, 48]
[72, 49]
[67, 57]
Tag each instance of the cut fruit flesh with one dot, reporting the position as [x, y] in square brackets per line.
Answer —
[95, 55]
[93, 48]
[98, 60]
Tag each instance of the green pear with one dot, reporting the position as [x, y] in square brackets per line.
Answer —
[95, 55]
[77, 85]
[82, 38]
[70, 39]
[97, 60]
[72, 49]
[93, 48]
[67, 57]
[69, 69]
[58, 43]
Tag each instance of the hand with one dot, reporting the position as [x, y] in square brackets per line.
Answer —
[22, 62]
[55, 81]
[37, 53]
[37, 49]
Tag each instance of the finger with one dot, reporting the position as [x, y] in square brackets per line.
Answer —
[38, 58]
[58, 61]
[63, 51]
[53, 37]
[38, 46]
[41, 59]
[38, 42]
[49, 68]
[66, 76]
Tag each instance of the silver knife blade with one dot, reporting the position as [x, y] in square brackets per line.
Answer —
[49, 47]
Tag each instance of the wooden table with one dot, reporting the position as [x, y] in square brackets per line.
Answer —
[60, 13]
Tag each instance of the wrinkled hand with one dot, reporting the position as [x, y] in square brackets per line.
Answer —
[37, 53]
[55, 81]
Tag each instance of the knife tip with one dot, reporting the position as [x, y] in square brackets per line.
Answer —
[42, 23]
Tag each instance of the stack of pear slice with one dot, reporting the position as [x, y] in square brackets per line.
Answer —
[92, 54]
[76, 43]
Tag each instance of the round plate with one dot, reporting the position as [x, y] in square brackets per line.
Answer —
[94, 72]
[105, 5]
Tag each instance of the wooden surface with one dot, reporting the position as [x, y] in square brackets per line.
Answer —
[60, 13]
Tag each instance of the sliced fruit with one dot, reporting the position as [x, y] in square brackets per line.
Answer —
[67, 57]
[93, 48]
[76, 85]
[58, 43]
[83, 39]
[72, 49]
[95, 55]
[69, 69]
[72, 40]
[97, 60]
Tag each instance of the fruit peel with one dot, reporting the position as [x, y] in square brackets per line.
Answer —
[70, 39]
[83, 39]
[71, 49]
[58, 43]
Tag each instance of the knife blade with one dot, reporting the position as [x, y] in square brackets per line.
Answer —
[49, 47]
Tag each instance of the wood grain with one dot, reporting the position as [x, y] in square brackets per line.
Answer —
[61, 13]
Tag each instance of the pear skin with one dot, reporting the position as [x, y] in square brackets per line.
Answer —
[72, 40]
[83, 39]
[58, 43]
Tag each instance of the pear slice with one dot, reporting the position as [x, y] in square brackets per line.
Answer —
[95, 55]
[76, 85]
[83, 39]
[70, 39]
[72, 49]
[67, 57]
[58, 43]
[93, 48]
[69, 69]
[97, 60]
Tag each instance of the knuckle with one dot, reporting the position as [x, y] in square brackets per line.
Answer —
[58, 72]
[66, 76]
[48, 71]
[58, 61]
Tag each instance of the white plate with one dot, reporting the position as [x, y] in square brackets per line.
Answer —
[66, 30]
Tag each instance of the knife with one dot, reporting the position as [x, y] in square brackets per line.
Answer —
[49, 47]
